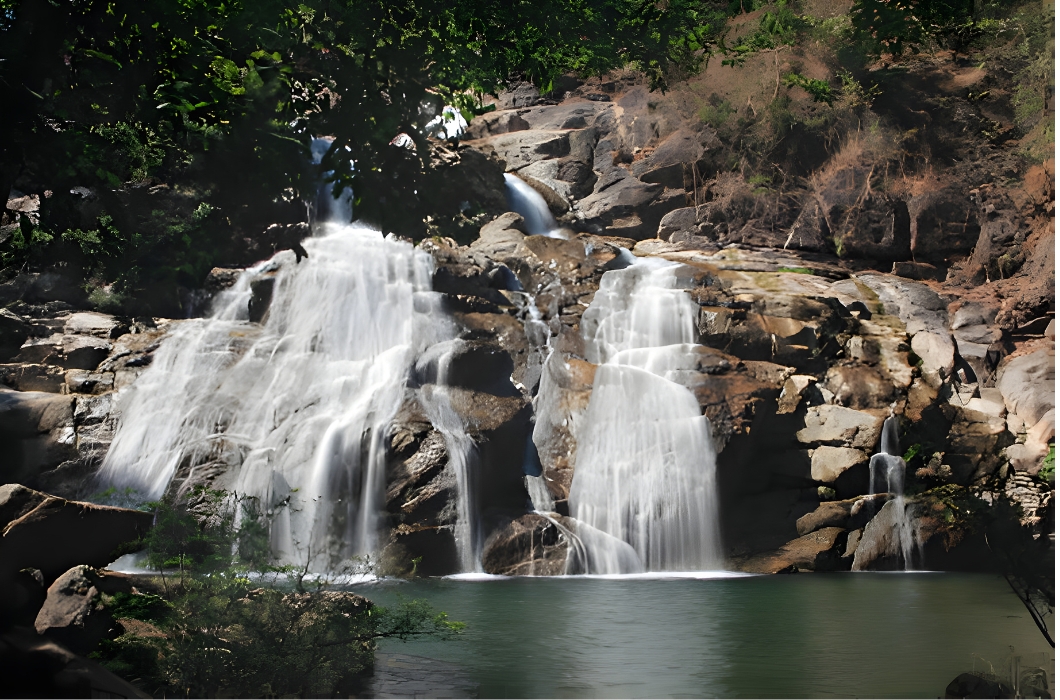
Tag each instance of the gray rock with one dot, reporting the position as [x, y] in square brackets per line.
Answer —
[918, 307]
[1027, 383]
[84, 351]
[935, 351]
[880, 546]
[816, 551]
[73, 614]
[36, 433]
[828, 463]
[97, 324]
[837, 425]
[859, 386]
[53, 534]
[14, 330]
[522, 148]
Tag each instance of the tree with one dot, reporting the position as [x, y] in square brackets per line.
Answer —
[220, 100]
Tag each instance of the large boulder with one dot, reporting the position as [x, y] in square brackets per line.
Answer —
[530, 545]
[33, 666]
[1027, 383]
[53, 534]
[73, 613]
[36, 433]
[820, 550]
[943, 224]
[838, 426]
[14, 330]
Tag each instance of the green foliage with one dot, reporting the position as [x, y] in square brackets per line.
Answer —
[717, 115]
[1048, 471]
[221, 99]
[819, 90]
[912, 452]
[797, 270]
[181, 540]
[237, 626]
[139, 606]
[776, 29]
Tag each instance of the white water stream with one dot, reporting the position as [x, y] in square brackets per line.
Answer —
[644, 472]
[887, 475]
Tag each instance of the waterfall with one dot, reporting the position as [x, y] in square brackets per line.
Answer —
[295, 411]
[525, 201]
[887, 470]
[434, 397]
[644, 471]
[300, 405]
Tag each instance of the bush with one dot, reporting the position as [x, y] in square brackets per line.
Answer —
[233, 625]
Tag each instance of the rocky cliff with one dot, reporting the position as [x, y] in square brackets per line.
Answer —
[829, 297]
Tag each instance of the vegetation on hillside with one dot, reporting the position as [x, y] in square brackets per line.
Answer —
[160, 133]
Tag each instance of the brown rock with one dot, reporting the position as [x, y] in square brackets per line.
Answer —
[817, 551]
[52, 534]
[859, 386]
[530, 545]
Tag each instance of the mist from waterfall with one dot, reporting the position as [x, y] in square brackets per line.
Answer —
[645, 468]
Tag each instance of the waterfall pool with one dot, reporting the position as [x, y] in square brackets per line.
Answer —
[820, 635]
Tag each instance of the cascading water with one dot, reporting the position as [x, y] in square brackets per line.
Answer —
[644, 472]
[525, 201]
[435, 399]
[887, 475]
[297, 408]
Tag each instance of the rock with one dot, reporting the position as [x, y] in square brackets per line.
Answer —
[97, 324]
[942, 224]
[1026, 457]
[73, 614]
[14, 330]
[260, 297]
[916, 304]
[52, 534]
[936, 354]
[34, 378]
[530, 545]
[36, 433]
[918, 271]
[817, 551]
[837, 425]
[667, 164]
[828, 463]
[220, 279]
[37, 667]
[84, 351]
[1027, 383]
[621, 202]
[968, 685]
[521, 148]
[791, 394]
[859, 386]
[828, 514]
[880, 548]
[973, 445]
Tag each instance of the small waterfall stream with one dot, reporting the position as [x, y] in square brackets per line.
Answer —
[644, 471]
[887, 475]
[525, 201]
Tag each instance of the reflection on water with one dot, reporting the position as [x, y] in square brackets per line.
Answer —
[821, 635]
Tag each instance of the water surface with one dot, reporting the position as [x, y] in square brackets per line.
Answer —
[820, 635]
